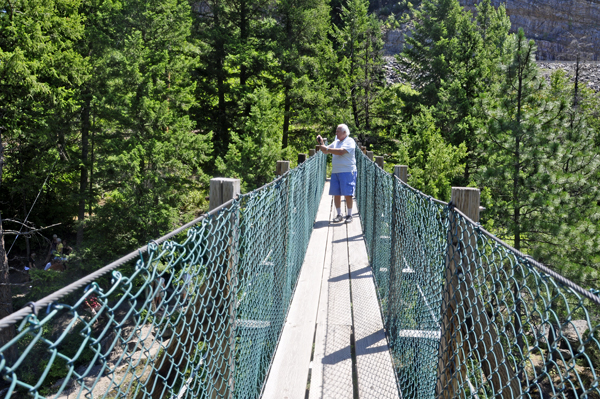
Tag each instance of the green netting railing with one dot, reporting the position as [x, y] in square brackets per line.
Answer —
[465, 314]
[199, 317]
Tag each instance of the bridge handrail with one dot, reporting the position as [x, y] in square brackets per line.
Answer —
[465, 313]
[199, 314]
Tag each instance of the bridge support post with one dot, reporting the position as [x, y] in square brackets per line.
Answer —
[379, 161]
[301, 158]
[282, 167]
[220, 359]
[467, 332]
[401, 172]
[311, 152]
[370, 155]
[222, 190]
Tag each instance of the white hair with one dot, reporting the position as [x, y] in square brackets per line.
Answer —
[344, 127]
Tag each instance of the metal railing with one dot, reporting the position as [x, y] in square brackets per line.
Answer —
[465, 314]
[200, 316]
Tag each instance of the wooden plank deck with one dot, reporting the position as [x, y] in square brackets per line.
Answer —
[334, 299]
[376, 377]
[289, 373]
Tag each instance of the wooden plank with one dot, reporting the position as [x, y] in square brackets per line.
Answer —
[338, 305]
[376, 377]
[289, 371]
[332, 362]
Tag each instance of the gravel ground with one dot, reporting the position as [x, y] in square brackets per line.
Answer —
[589, 71]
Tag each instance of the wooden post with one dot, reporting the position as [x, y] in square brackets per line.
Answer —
[222, 189]
[222, 352]
[301, 158]
[363, 149]
[311, 152]
[379, 161]
[370, 155]
[401, 172]
[317, 148]
[464, 317]
[221, 348]
[466, 199]
[282, 167]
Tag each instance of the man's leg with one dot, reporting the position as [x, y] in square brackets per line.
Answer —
[337, 200]
[349, 203]
[349, 186]
[334, 189]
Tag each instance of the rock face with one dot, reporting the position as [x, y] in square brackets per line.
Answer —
[553, 24]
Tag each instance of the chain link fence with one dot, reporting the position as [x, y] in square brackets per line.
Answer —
[199, 316]
[466, 315]
[201, 313]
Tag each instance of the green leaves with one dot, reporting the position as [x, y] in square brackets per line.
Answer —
[433, 162]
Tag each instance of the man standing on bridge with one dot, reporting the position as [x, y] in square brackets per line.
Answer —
[343, 173]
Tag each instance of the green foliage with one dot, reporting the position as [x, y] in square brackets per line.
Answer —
[150, 147]
[258, 146]
[133, 105]
[520, 121]
[40, 70]
[541, 169]
[433, 162]
[451, 57]
[360, 46]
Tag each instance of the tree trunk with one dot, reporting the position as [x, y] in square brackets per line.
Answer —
[576, 88]
[367, 84]
[244, 34]
[85, 130]
[27, 246]
[221, 138]
[286, 118]
[6, 334]
[353, 88]
[91, 193]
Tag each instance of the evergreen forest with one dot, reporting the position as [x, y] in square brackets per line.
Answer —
[115, 114]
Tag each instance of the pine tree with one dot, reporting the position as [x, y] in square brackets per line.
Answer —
[151, 154]
[360, 45]
[567, 238]
[259, 146]
[433, 162]
[39, 70]
[237, 58]
[451, 59]
[521, 121]
[303, 48]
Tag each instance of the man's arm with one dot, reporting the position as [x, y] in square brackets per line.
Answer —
[334, 151]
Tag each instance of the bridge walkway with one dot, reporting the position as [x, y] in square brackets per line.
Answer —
[333, 344]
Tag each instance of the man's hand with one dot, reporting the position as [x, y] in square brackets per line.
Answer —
[320, 140]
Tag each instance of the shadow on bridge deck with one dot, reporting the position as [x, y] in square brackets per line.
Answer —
[333, 344]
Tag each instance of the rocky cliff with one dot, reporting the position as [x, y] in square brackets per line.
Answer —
[554, 24]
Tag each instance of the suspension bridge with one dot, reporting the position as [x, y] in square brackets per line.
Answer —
[264, 297]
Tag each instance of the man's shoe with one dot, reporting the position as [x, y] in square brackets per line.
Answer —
[349, 219]
[338, 218]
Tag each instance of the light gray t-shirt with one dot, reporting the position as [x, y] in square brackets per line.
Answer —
[346, 162]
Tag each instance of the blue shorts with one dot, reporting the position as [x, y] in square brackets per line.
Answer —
[342, 183]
